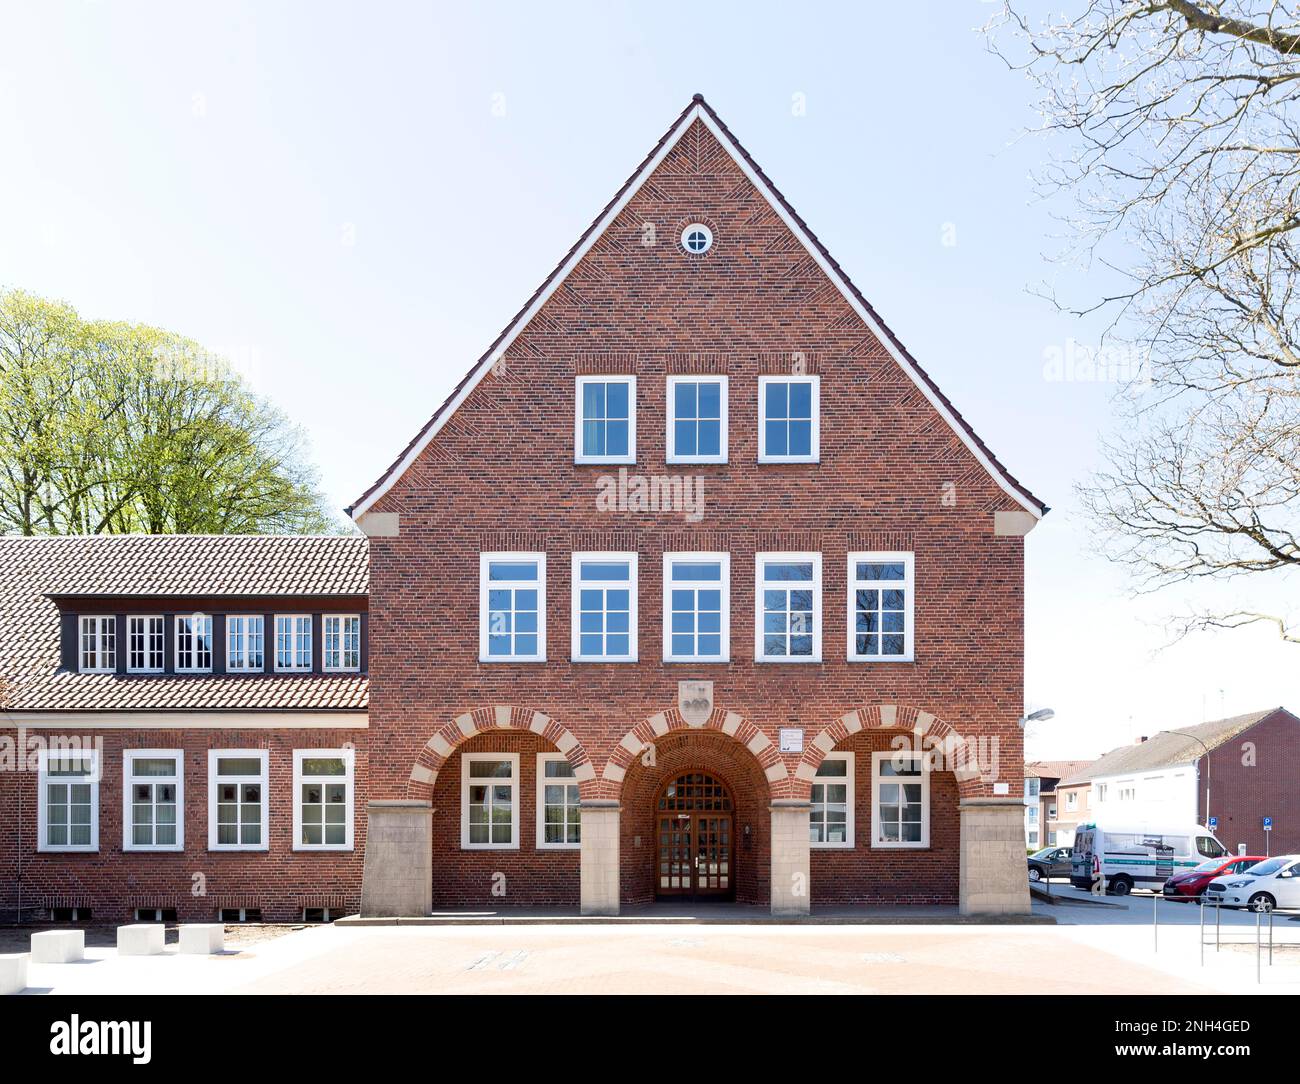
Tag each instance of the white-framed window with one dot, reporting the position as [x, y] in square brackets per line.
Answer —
[1071, 799]
[512, 607]
[697, 238]
[237, 800]
[696, 419]
[831, 822]
[489, 801]
[1033, 814]
[697, 607]
[67, 816]
[292, 642]
[604, 427]
[146, 639]
[900, 800]
[245, 643]
[323, 799]
[604, 607]
[98, 653]
[788, 607]
[559, 814]
[789, 419]
[1101, 789]
[880, 596]
[153, 800]
[342, 644]
[1032, 784]
[194, 643]
[1032, 838]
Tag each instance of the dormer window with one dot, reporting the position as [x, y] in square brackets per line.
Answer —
[98, 645]
[244, 643]
[145, 638]
[604, 428]
[292, 642]
[194, 643]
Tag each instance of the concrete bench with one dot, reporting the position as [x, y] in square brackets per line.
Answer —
[13, 973]
[58, 946]
[141, 939]
[203, 938]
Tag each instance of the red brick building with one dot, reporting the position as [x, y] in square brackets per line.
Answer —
[696, 588]
[655, 590]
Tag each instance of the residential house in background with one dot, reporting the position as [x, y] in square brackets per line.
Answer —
[1233, 772]
[1050, 816]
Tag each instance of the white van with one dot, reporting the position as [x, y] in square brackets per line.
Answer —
[1139, 856]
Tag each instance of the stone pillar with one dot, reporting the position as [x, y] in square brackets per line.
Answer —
[993, 877]
[598, 882]
[397, 873]
[791, 876]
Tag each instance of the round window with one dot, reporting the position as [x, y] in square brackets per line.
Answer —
[697, 238]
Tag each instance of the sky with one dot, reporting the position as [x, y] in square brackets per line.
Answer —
[350, 200]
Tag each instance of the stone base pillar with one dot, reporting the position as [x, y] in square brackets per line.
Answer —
[397, 874]
[598, 883]
[993, 872]
[791, 877]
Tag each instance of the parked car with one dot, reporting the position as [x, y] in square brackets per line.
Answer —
[1140, 856]
[1274, 882]
[1049, 862]
[1190, 884]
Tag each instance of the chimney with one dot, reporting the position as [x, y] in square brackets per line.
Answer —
[1139, 741]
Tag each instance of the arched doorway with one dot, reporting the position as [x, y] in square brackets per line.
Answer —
[694, 835]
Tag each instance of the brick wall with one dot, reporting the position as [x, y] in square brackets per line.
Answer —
[1253, 776]
[113, 882]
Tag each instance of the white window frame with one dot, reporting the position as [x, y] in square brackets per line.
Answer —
[580, 383]
[230, 620]
[179, 622]
[347, 779]
[129, 756]
[670, 416]
[569, 781]
[264, 779]
[850, 781]
[907, 585]
[104, 628]
[484, 585]
[162, 643]
[575, 636]
[43, 781]
[295, 636]
[700, 557]
[465, 760]
[815, 441]
[780, 557]
[876, 842]
[1071, 801]
[341, 619]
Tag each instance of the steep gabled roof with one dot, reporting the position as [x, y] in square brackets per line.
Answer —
[1055, 769]
[1171, 747]
[700, 110]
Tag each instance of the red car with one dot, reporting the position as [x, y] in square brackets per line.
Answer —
[1190, 883]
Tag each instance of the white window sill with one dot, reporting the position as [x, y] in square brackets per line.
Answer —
[49, 848]
[559, 846]
[831, 846]
[789, 459]
[340, 669]
[217, 847]
[900, 846]
[699, 461]
[142, 848]
[132, 670]
[703, 660]
[335, 847]
[489, 846]
[777, 661]
[881, 658]
[511, 658]
[604, 461]
[601, 658]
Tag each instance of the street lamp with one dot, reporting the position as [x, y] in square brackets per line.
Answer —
[1039, 716]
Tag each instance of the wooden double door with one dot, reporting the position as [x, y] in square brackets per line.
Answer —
[694, 830]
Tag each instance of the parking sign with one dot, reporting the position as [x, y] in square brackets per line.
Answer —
[1213, 823]
[1268, 824]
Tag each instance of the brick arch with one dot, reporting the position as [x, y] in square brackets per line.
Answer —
[880, 717]
[731, 724]
[424, 773]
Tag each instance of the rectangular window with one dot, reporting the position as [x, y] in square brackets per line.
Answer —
[880, 607]
[194, 643]
[1033, 814]
[342, 642]
[292, 642]
[98, 645]
[605, 420]
[512, 607]
[152, 800]
[68, 814]
[697, 605]
[322, 810]
[697, 419]
[145, 639]
[831, 823]
[245, 643]
[604, 607]
[900, 800]
[489, 806]
[558, 811]
[788, 605]
[237, 792]
[789, 422]
[1072, 800]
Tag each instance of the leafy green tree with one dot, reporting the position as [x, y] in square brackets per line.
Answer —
[113, 428]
